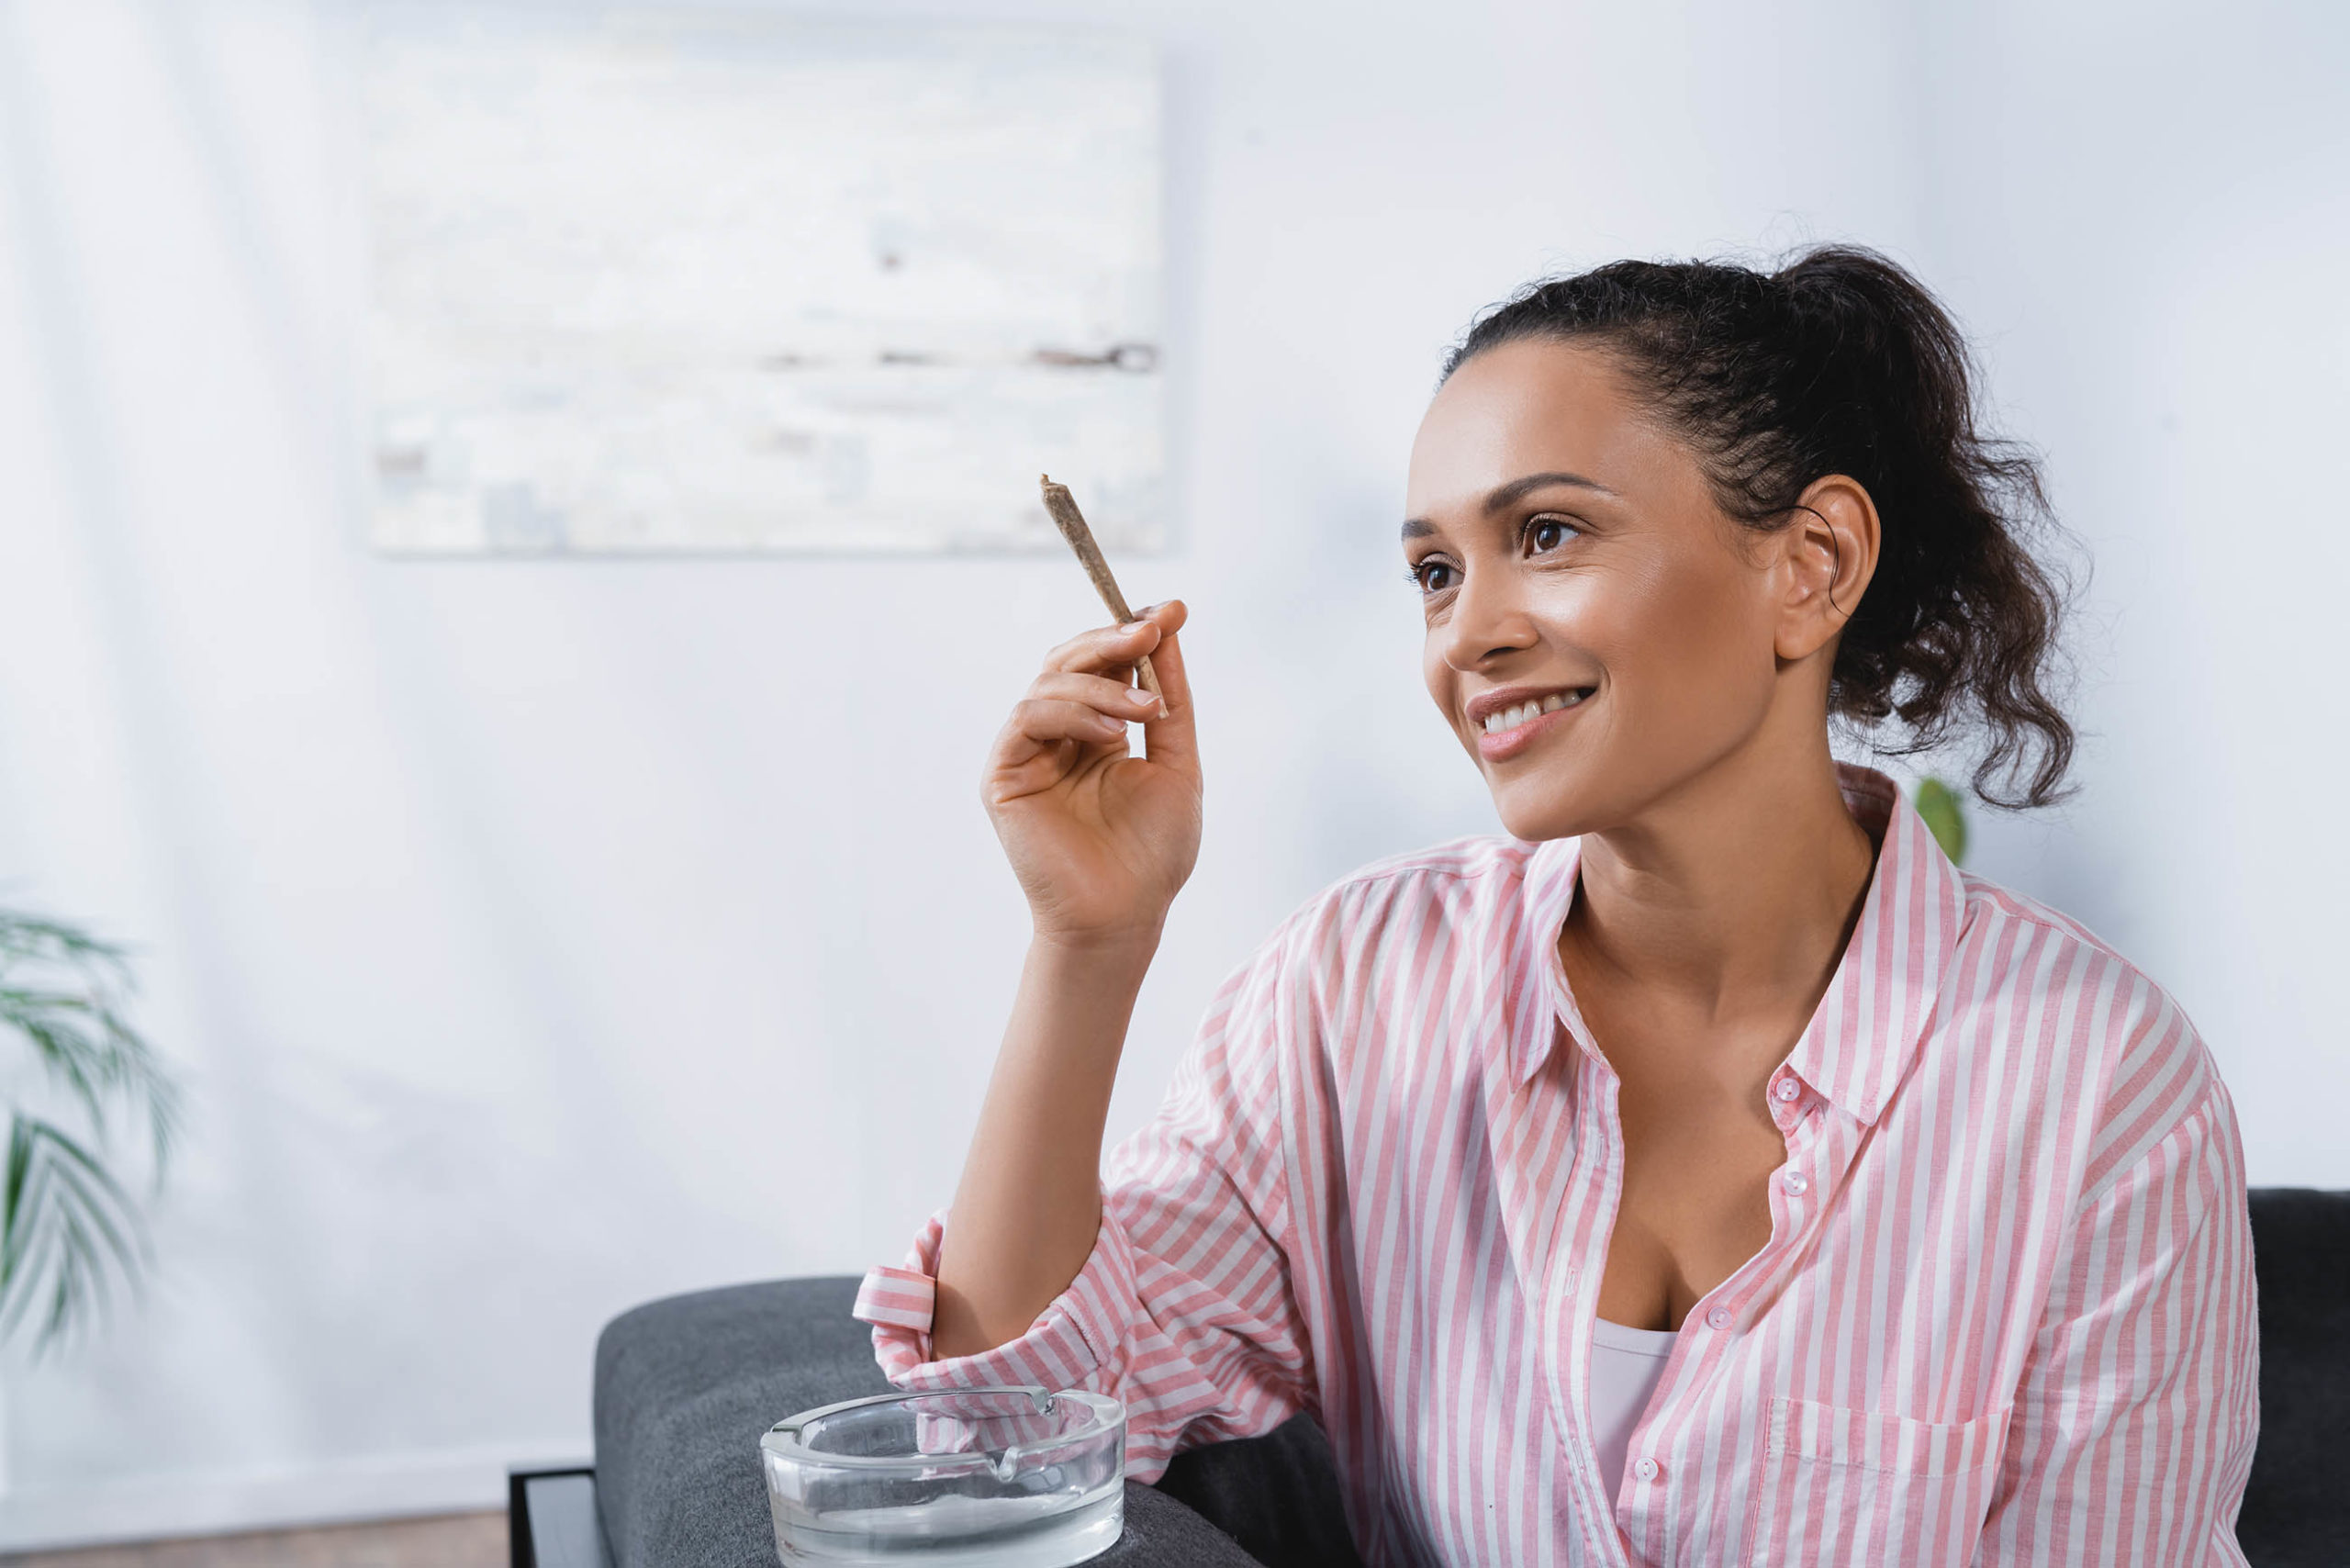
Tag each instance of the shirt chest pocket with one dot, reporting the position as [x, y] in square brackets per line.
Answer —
[1840, 1486]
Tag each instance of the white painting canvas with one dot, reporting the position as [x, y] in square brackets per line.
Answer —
[651, 281]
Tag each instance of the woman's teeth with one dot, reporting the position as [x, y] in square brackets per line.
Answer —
[1527, 712]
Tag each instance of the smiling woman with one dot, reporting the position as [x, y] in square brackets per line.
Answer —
[1832, 392]
[1708, 1169]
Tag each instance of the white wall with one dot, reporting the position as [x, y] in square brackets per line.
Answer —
[541, 937]
[2144, 212]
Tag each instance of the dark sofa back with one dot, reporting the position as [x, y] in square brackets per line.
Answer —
[2297, 1509]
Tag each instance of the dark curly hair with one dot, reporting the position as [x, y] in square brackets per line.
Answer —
[1842, 362]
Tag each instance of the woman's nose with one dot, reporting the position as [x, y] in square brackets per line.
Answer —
[1488, 621]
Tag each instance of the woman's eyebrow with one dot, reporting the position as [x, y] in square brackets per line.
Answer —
[1508, 495]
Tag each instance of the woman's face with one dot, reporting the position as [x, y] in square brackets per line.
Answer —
[1599, 632]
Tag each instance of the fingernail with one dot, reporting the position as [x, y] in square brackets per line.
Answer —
[1144, 700]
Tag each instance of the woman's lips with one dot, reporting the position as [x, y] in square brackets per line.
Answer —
[1499, 745]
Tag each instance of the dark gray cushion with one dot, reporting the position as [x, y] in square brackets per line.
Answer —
[1277, 1495]
[2297, 1508]
[685, 1387]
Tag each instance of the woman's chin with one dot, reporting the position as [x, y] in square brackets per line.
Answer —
[1533, 810]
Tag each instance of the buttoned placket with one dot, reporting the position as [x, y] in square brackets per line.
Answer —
[1722, 1309]
[1598, 1135]
[1823, 1128]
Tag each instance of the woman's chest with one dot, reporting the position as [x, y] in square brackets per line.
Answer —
[1693, 1200]
[1814, 1412]
[1475, 1225]
[1853, 1362]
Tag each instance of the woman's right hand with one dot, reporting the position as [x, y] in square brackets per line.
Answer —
[1101, 840]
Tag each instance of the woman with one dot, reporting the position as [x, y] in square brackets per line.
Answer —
[1709, 1170]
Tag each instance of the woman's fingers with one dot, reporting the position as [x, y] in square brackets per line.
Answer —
[1171, 738]
[1040, 723]
[1102, 694]
[1042, 770]
[1082, 700]
[1107, 647]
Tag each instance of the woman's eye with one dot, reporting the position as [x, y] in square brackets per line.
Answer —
[1433, 577]
[1548, 532]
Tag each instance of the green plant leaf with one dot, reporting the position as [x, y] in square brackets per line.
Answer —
[69, 1231]
[1945, 817]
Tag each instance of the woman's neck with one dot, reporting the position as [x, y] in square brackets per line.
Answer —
[1735, 892]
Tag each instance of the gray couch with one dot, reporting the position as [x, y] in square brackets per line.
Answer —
[684, 1388]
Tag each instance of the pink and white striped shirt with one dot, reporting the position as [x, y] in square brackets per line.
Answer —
[2004, 1315]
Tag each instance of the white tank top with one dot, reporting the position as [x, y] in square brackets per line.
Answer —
[1625, 1366]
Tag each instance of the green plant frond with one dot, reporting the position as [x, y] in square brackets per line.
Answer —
[75, 1288]
[69, 1231]
[81, 1038]
[164, 1112]
[99, 1197]
[31, 937]
[140, 1075]
[48, 1194]
[18, 1195]
[69, 1228]
[76, 1062]
[25, 1303]
[64, 1276]
[18, 998]
[38, 934]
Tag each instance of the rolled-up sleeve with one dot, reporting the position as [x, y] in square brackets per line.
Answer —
[1185, 1309]
[2133, 1429]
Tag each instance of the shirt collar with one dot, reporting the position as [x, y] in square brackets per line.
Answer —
[1869, 1025]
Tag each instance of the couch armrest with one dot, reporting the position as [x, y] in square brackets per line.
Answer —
[685, 1387]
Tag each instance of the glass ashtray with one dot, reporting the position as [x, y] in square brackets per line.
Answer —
[1006, 1477]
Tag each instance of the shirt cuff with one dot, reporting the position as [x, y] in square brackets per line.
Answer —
[1077, 1341]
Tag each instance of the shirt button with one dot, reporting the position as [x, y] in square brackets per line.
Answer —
[1795, 1181]
[1720, 1317]
[1648, 1469]
[1789, 1090]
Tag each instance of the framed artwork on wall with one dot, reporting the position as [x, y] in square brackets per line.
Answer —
[648, 282]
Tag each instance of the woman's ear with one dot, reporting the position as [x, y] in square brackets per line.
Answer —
[1830, 553]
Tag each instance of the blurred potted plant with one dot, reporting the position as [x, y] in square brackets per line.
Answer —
[69, 1224]
[1938, 803]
